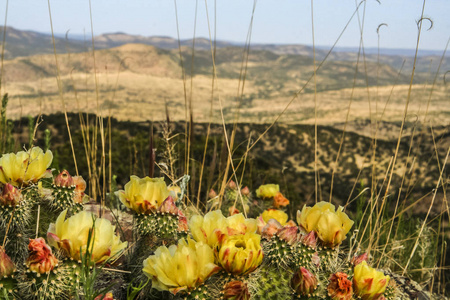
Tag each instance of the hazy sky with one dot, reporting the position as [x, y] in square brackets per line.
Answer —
[275, 21]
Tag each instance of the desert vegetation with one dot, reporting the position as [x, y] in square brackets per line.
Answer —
[145, 168]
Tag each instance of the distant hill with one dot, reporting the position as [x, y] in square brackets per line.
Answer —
[135, 81]
[25, 43]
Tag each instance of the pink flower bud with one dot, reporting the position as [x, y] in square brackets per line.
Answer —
[108, 296]
[309, 239]
[304, 282]
[245, 191]
[359, 259]
[64, 179]
[10, 195]
[232, 185]
[6, 264]
[271, 228]
[212, 194]
[236, 290]
[168, 206]
[288, 234]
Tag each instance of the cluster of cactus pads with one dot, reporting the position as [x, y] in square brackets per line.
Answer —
[243, 248]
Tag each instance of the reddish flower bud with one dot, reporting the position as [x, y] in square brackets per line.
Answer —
[304, 282]
[10, 195]
[359, 259]
[108, 296]
[271, 228]
[288, 234]
[245, 191]
[236, 290]
[168, 206]
[64, 179]
[309, 239]
[40, 257]
[6, 264]
[212, 194]
[232, 185]
[340, 288]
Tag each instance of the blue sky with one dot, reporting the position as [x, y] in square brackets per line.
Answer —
[275, 21]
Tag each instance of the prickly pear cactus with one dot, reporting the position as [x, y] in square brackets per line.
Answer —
[268, 283]
[163, 225]
[56, 284]
[64, 198]
[8, 288]
[282, 253]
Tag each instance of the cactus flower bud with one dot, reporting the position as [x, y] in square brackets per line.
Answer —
[340, 288]
[6, 264]
[168, 206]
[304, 282]
[369, 283]
[232, 185]
[108, 296]
[236, 290]
[10, 195]
[40, 256]
[279, 200]
[288, 234]
[245, 191]
[356, 260]
[309, 239]
[271, 228]
[212, 194]
[241, 254]
[64, 179]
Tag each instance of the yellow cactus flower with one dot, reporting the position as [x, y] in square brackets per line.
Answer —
[144, 195]
[368, 282]
[213, 227]
[241, 254]
[331, 226]
[71, 235]
[267, 191]
[181, 267]
[23, 168]
[276, 214]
